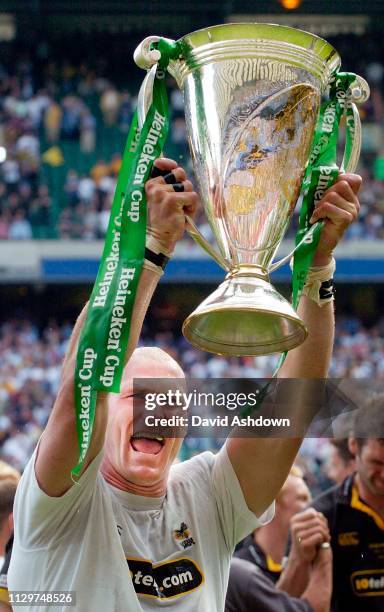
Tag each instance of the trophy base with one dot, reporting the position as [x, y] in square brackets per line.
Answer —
[244, 316]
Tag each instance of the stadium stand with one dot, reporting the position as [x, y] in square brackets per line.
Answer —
[63, 124]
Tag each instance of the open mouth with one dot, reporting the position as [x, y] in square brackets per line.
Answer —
[147, 443]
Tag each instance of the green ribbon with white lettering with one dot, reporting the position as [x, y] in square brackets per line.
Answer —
[321, 172]
[103, 341]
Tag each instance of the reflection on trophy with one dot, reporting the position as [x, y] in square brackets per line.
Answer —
[252, 94]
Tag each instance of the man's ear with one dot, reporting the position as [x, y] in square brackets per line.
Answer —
[352, 445]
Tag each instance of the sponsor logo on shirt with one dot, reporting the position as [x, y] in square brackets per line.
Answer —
[183, 536]
[164, 580]
[349, 538]
[368, 583]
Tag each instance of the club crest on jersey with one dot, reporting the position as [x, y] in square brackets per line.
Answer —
[183, 536]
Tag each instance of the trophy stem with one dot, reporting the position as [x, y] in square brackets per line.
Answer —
[245, 316]
[244, 270]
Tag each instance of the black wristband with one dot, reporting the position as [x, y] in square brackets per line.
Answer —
[159, 259]
[327, 289]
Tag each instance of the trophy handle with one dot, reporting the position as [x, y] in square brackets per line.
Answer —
[288, 257]
[144, 56]
[198, 237]
[358, 93]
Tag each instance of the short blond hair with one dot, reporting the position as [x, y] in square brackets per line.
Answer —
[7, 472]
[296, 471]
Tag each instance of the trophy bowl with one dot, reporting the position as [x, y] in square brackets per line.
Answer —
[252, 95]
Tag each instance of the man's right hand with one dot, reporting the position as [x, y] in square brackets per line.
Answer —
[167, 207]
[309, 529]
[319, 590]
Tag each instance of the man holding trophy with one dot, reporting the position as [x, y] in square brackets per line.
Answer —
[134, 533]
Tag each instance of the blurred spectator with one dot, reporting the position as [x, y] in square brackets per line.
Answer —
[52, 121]
[99, 171]
[28, 147]
[250, 591]
[341, 462]
[125, 112]
[87, 132]
[4, 225]
[71, 188]
[110, 104]
[20, 228]
[265, 549]
[266, 546]
[5, 606]
[354, 510]
[86, 189]
[9, 477]
[70, 122]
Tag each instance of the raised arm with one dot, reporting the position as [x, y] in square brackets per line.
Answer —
[58, 451]
[262, 464]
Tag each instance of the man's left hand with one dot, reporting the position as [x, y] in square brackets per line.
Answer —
[339, 207]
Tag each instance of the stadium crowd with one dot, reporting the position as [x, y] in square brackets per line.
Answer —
[49, 102]
[32, 359]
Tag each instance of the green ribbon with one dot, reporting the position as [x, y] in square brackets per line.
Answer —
[103, 341]
[321, 173]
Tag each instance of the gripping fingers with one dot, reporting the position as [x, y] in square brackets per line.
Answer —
[351, 206]
[313, 540]
[156, 190]
[323, 531]
[353, 180]
[311, 523]
[333, 212]
[163, 165]
[177, 175]
[344, 189]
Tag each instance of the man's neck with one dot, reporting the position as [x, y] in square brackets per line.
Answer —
[114, 478]
[272, 539]
[376, 502]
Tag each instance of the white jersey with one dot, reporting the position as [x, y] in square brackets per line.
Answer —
[125, 553]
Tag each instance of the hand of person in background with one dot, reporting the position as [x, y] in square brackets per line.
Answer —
[169, 196]
[319, 590]
[309, 529]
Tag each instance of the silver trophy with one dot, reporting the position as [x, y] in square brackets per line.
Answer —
[252, 94]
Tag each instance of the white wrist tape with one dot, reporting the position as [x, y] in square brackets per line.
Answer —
[154, 245]
[319, 283]
[148, 265]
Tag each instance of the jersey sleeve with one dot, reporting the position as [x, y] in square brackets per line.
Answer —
[40, 519]
[263, 595]
[249, 589]
[236, 518]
